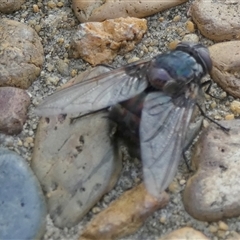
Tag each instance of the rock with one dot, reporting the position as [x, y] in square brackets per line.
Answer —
[97, 42]
[87, 11]
[226, 66]
[184, 233]
[125, 215]
[235, 107]
[191, 37]
[212, 193]
[217, 20]
[14, 103]
[233, 236]
[22, 205]
[7, 6]
[76, 162]
[21, 55]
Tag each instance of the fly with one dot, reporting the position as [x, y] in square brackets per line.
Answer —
[171, 83]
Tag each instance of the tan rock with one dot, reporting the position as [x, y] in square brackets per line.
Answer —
[226, 66]
[212, 194]
[185, 233]
[235, 107]
[97, 42]
[87, 11]
[125, 215]
[7, 6]
[14, 103]
[217, 20]
[76, 161]
[21, 55]
[233, 236]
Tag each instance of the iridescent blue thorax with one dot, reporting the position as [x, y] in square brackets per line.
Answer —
[178, 64]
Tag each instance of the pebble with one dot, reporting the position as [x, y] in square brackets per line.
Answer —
[229, 117]
[226, 66]
[190, 26]
[125, 215]
[185, 233]
[233, 236]
[222, 226]
[10, 6]
[97, 42]
[212, 193]
[191, 37]
[60, 23]
[217, 20]
[94, 11]
[13, 109]
[22, 54]
[22, 204]
[76, 161]
[235, 107]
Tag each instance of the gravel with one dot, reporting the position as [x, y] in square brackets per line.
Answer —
[55, 25]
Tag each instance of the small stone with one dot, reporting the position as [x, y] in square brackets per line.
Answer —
[35, 8]
[52, 80]
[191, 37]
[185, 234]
[190, 26]
[10, 6]
[14, 103]
[172, 45]
[226, 66]
[212, 194]
[125, 215]
[96, 11]
[75, 160]
[205, 123]
[163, 219]
[22, 205]
[217, 20]
[221, 234]
[222, 226]
[161, 19]
[134, 59]
[73, 73]
[51, 4]
[62, 67]
[233, 236]
[60, 4]
[100, 42]
[213, 228]
[235, 107]
[177, 18]
[182, 181]
[174, 187]
[21, 54]
[229, 117]
[213, 104]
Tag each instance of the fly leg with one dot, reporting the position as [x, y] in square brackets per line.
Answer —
[209, 85]
[212, 120]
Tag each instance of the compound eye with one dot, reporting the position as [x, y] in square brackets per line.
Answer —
[158, 77]
[205, 56]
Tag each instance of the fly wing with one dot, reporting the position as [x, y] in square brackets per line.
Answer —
[99, 92]
[162, 135]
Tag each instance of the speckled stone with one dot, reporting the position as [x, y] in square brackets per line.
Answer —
[76, 161]
[21, 55]
[212, 193]
[22, 205]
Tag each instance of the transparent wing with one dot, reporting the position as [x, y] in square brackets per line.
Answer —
[99, 92]
[162, 135]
